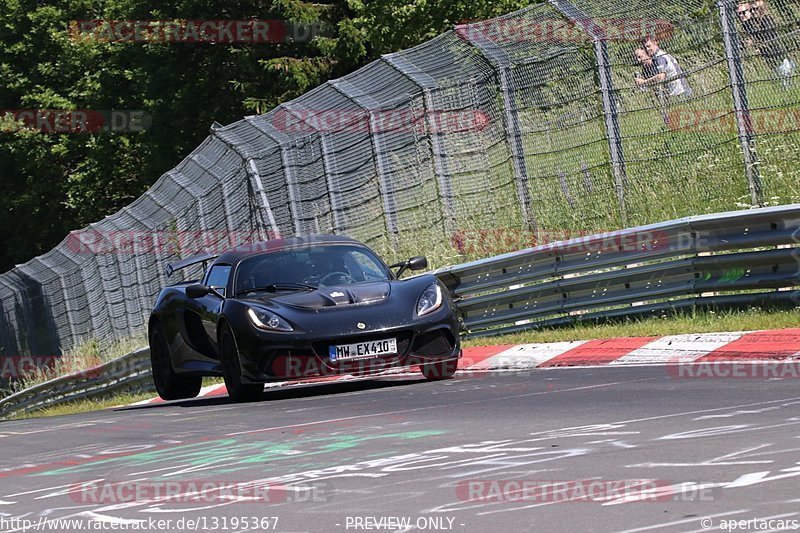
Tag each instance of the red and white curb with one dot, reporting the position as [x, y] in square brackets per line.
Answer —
[741, 346]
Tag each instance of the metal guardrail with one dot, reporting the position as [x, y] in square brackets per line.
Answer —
[733, 259]
[129, 372]
[722, 260]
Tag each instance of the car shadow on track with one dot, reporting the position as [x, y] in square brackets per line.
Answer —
[302, 390]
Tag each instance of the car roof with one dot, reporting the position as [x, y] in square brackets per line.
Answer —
[234, 255]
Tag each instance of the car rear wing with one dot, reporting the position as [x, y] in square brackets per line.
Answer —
[189, 261]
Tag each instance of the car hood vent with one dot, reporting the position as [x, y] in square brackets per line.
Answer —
[337, 295]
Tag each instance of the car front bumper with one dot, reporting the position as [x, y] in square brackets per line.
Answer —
[269, 356]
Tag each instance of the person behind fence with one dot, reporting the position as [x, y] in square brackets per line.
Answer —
[648, 67]
[649, 72]
[762, 34]
[668, 72]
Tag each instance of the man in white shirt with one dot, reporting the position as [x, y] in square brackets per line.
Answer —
[669, 72]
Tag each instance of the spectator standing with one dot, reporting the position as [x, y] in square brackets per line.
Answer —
[668, 71]
[762, 34]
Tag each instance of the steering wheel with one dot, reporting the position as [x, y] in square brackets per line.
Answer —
[341, 275]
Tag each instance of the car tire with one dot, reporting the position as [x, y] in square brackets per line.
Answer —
[437, 371]
[169, 385]
[232, 371]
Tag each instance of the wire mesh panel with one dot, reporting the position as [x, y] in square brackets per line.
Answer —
[615, 15]
[394, 111]
[572, 186]
[43, 299]
[305, 173]
[405, 155]
[96, 298]
[70, 269]
[463, 111]
[269, 165]
[263, 156]
[558, 120]
[349, 161]
[675, 99]
[9, 324]
[769, 37]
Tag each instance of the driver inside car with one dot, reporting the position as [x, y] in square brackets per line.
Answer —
[331, 270]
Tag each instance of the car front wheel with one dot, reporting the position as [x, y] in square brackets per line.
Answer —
[232, 371]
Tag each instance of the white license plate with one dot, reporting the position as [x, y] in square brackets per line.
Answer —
[362, 350]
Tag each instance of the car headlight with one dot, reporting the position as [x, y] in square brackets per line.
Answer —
[267, 320]
[430, 300]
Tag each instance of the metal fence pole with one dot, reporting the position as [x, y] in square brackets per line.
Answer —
[612, 125]
[259, 189]
[744, 124]
[328, 166]
[371, 106]
[501, 63]
[438, 145]
[283, 141]
[610, 112]
[251, 170]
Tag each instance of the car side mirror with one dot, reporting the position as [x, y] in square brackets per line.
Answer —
[417, 262]
[198, 290]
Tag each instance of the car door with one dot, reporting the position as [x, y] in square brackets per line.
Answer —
[202, 313]
[217, 279]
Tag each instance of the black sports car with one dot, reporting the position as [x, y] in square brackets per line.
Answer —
[298, 308]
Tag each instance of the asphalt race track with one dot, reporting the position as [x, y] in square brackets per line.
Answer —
[563, 449]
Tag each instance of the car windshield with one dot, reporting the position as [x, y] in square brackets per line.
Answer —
[309, 268]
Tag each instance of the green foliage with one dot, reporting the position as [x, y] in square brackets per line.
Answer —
[389, 25]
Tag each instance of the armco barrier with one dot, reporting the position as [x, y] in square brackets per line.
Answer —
[129, 372]
[728, 259]
[734, 259]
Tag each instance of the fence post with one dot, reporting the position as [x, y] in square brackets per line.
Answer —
[282, 140]
[327, 164]
[501, 63]
[251, 164]
[438, 146]
[370, 106]
[251, 170]
[609, 99]
[744, 124]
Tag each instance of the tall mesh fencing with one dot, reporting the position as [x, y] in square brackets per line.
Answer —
[550, 122]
